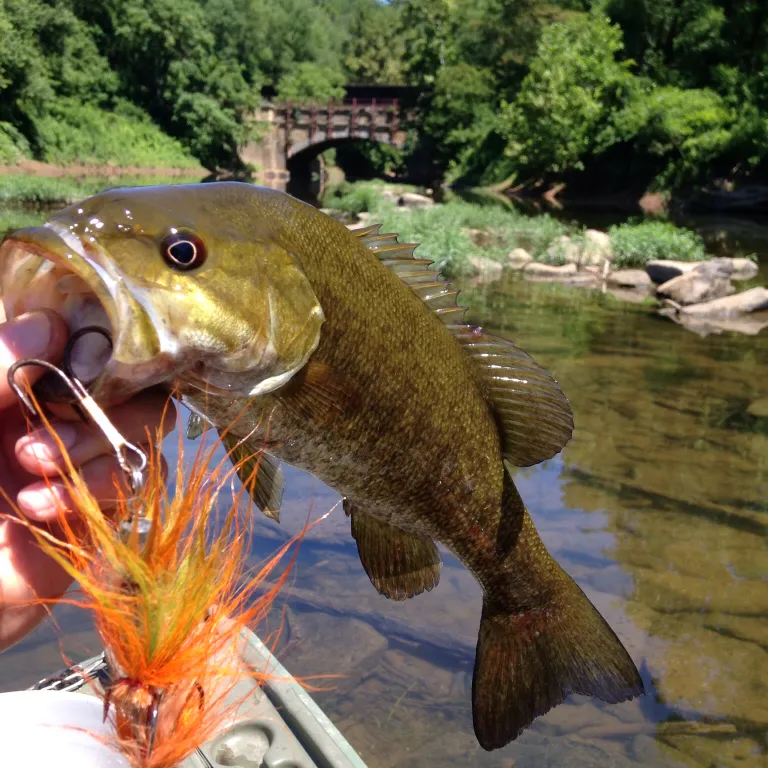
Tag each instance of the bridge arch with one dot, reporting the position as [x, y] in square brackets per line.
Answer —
[292, 130]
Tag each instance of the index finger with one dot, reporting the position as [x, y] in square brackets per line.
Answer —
[41, 334]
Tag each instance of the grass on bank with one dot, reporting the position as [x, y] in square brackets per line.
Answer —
[25, 189]
[452, 233]
[634, 245]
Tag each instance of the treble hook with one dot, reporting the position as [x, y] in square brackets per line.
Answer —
[123, 449]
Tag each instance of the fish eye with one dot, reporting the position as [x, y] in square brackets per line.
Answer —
[183, 250]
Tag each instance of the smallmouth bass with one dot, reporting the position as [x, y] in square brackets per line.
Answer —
[349, 358]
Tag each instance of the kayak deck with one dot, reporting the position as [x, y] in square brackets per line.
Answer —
[275, 725]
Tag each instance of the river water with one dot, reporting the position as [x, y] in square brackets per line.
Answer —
[658, 508]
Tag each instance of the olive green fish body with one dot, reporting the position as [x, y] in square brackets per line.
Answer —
[342, 354]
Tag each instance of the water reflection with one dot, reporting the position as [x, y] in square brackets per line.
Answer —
[658, 508]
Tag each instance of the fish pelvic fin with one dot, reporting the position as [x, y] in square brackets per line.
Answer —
[399, 564]
[260, 473]
[540, 640]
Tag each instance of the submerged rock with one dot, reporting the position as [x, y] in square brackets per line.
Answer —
[629, 278]
[412, 200]
[518, 258]
[710, 280]
[363, 220]
[753, 300]
[662, 270]
[749, 325]
[581, 279]
[535, 269]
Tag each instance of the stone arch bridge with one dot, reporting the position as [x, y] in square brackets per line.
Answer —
[298, 132]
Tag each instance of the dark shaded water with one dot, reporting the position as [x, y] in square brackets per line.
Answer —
[658, 508]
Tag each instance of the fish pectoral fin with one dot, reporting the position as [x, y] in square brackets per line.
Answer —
[260, 473]
[534, 416]
[318, 394]
[399, 564]
[196, 426]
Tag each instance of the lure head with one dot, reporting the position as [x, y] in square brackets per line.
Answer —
[191, 281]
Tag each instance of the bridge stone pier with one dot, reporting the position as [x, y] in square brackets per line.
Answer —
[293, 131]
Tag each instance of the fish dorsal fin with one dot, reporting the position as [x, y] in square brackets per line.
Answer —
[365, 231]
[437, 293]
[534, 415]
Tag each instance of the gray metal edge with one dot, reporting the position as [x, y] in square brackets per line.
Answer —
[319, 736]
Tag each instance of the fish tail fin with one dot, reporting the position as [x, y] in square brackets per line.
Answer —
[538, 643]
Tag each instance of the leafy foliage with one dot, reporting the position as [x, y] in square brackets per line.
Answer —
[649, 91]
[563, 110]
[634, 245]
[71, 132]
[308, 82]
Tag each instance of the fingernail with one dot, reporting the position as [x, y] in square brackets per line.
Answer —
[35, 502]
[29, 335]
[41, 444]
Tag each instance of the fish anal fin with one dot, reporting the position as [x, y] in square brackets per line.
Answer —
[319, 394]
[399, 564]
[534, 416]
[260, 474]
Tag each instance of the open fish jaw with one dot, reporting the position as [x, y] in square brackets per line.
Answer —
[49, 268]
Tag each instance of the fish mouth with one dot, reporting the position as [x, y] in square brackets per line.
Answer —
[48, 267]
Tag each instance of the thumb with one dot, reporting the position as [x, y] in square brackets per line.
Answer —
[41, 334]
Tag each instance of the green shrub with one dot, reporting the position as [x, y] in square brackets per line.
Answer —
[353, 198]
[13, 146]
[634, 245]
[13, 218]
[445, 232]
[69, 132]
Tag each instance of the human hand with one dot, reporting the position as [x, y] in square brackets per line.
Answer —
[26, 459]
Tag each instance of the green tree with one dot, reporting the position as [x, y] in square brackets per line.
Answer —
[308, 82]
[374, 49]
[166, 59]
[568, 99]
[46, 52]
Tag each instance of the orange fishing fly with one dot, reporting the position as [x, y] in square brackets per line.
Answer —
[167, 586]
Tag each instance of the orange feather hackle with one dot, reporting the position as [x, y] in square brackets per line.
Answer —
[170, 607]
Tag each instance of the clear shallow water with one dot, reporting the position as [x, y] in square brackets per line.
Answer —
[658, 508]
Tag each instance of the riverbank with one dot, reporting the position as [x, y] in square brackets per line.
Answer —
[50, 170]
[749, 199]
[53, 189]
[666, 267]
